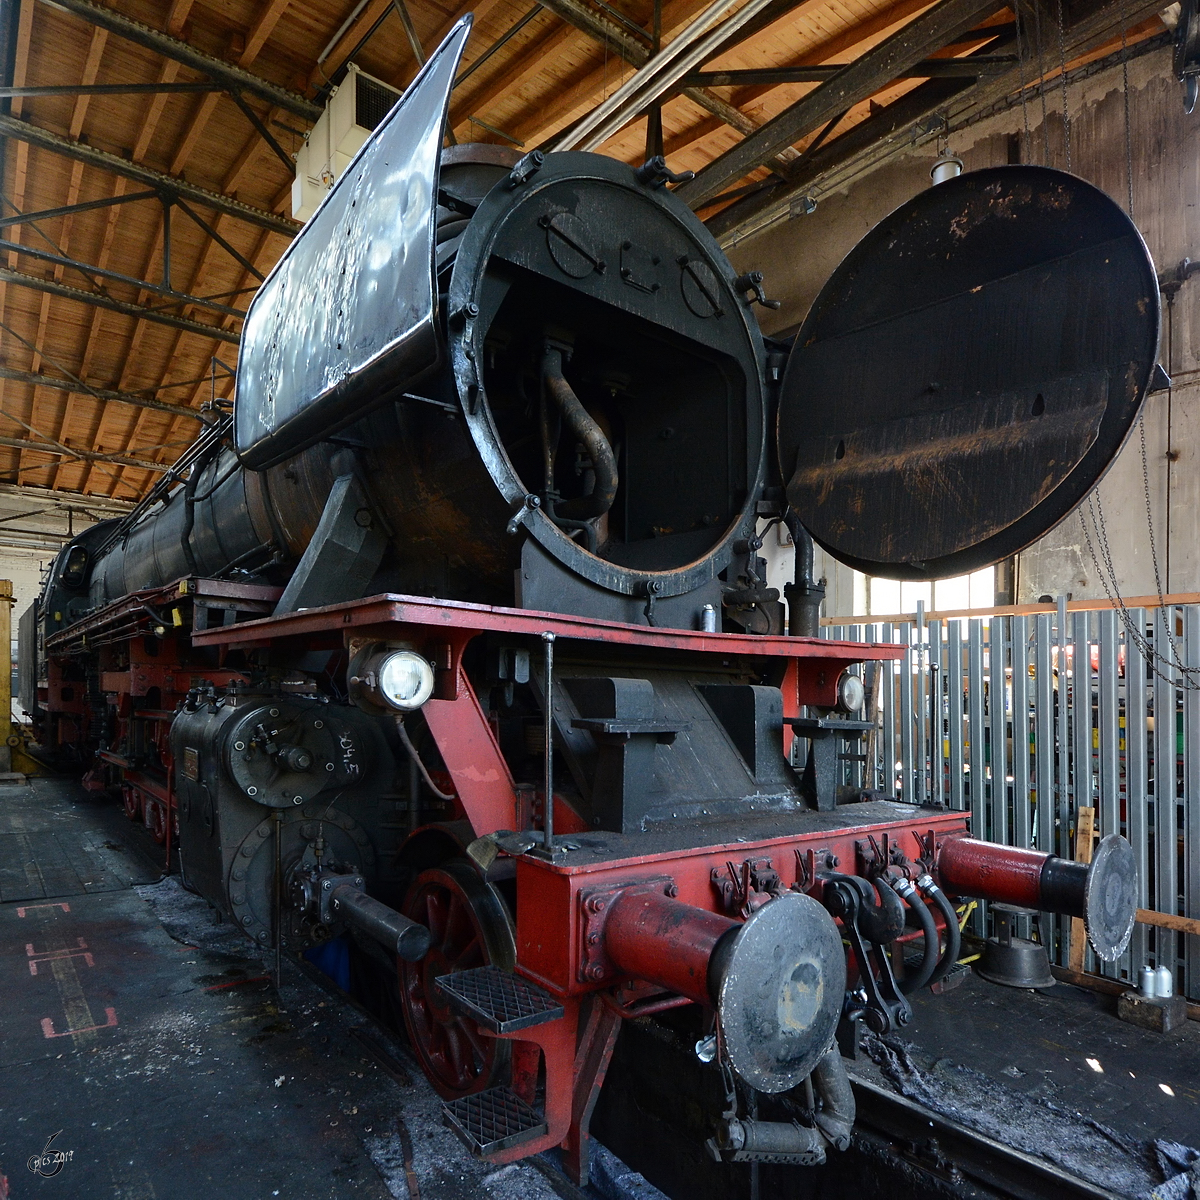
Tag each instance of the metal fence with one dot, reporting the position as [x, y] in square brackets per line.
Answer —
[1024, 719]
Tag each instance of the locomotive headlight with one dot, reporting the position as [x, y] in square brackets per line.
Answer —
[850, 693]
[405, 680]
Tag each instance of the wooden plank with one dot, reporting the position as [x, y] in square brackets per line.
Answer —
[1190, 925]
[1085, 832]
[100, 300]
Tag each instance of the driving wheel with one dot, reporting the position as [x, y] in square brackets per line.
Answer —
[470, 927]
[156, 821]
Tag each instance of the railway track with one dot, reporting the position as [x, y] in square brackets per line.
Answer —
[962, 1157]
[965, 1162]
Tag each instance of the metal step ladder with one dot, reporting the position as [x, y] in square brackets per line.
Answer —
[495, 1120]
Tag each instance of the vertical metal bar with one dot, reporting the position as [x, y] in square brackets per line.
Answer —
[975, 729]
[1081, 718]
[998, 726]
[887, 684]
[852, 772]
[1022, 830]
[954, 708]
[1043, 735]
[1191, 796]
[548, 803]
[1062, 736]
[1165, 760]
[1109, 738]
[923, 749]
[414, 796]
[1043, 757]
[277, 896]
[1108, 727]
[1081, 710]
[907, 788]
[937, 705]
[1064, 748]
[1137, 818]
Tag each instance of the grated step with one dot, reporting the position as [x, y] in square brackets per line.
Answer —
[492, 1121]
[498, 1000]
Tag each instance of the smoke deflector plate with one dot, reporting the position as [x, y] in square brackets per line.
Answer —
[347, 316]
[968, 373]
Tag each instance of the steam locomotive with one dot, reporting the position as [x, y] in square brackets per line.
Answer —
[453, 642]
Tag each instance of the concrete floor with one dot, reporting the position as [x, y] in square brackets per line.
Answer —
[1042, 1045]
[149, 1042]
[172, 1071]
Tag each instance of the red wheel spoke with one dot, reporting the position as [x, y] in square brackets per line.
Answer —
[435, 916]
[459, 927]
[460, 911]
[479, 1043]
[472, 955]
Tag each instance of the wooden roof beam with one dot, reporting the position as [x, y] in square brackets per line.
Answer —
[867, 32]
[87, 456]
[930, 68]
[25, 131]
[578, 101]
[224, 73]
[148, 127]
[323, 71]
[177, 17]
[854, 83]
[138, 311]
[82, 388]
[262, 29]
[517, 74]
[746, 218]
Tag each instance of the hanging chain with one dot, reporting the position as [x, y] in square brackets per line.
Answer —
[1162, 604]
[1062, 62]
[1041, 50]
[1128, 132]
[1105, 569]
[1021, 60]
[1106, 572]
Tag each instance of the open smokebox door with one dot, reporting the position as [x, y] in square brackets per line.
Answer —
[349, 312]
[968, 373]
